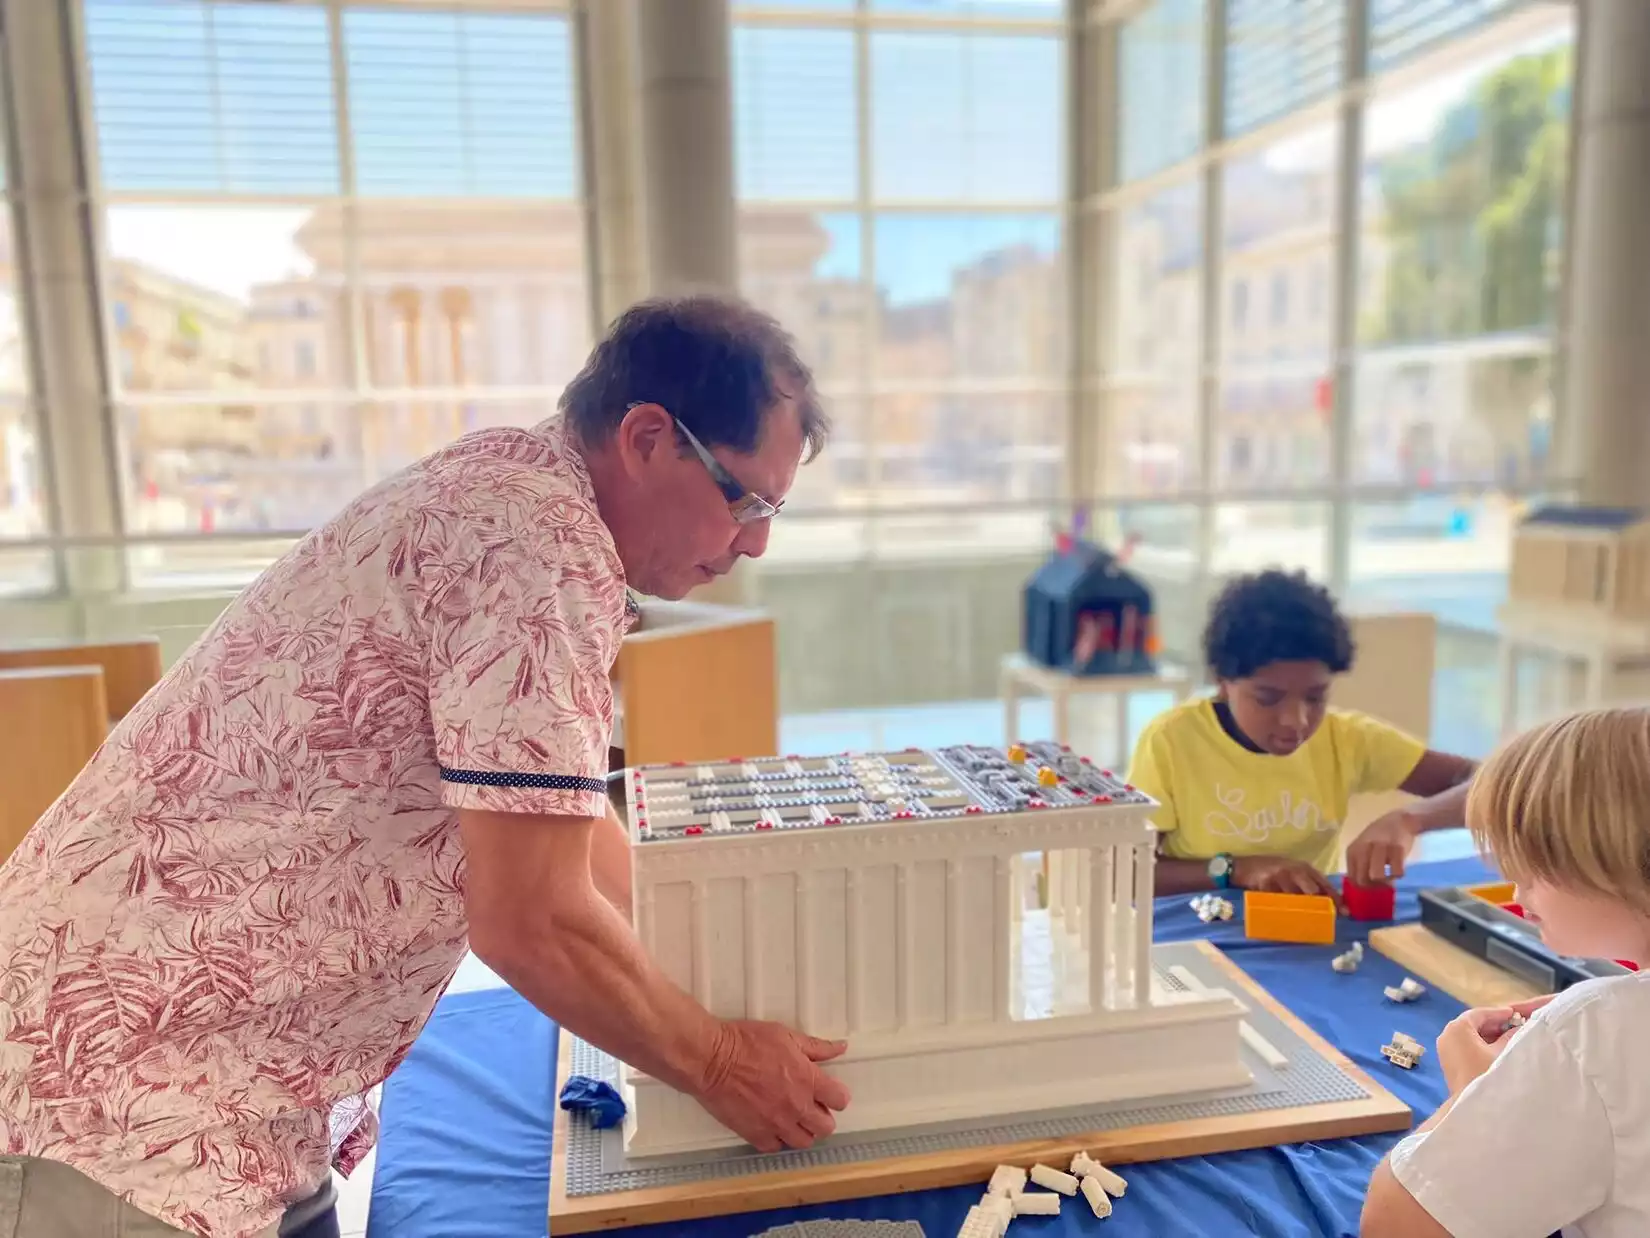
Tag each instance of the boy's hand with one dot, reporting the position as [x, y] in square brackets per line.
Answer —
[1470, 1042]
[1279, 874]
[1377, 855]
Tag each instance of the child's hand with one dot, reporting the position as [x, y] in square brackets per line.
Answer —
[1280, 875]
[1471, 1041]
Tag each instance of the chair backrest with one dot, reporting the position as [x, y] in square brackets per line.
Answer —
[130, 667]
[67, 716]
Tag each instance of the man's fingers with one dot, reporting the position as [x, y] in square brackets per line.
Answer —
[823, 1050]
[818, 1122]
[829, 1092]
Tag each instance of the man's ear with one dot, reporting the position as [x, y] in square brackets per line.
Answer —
[645, 430]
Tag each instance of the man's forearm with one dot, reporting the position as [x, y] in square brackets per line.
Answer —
[584, 967]
[610, 867]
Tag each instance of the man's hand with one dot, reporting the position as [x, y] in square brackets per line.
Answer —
[1470, 1042]
[763, 1083]
[1279, 875]
[1377, 855]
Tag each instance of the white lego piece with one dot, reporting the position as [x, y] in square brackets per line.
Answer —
[980, 1224]
[1513, 1023]
[838, 922]
[1054, 1179]
[1000, 1207]
[1348, 961]
[1085, 1166]
[721, 822]
[1412, 988]
[1403, 1050]
[1407, 1043]
[1269, 1052]
[1097, 1197]
[1037, 1204]
[1006, 1181]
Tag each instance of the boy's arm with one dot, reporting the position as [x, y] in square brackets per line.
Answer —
[1380, 852]
[1484, 1166]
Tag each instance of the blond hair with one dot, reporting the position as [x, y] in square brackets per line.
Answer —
[1568, 802]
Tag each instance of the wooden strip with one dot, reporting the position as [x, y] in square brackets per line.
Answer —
[1444, 965]
[1378, 1112]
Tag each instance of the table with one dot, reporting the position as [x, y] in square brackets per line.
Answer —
[467, 1117]
[1018, 676]
[1607, 651]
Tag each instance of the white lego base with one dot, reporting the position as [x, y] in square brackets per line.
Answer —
[988, 1071]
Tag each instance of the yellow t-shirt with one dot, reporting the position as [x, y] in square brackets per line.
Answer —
[1218, 798]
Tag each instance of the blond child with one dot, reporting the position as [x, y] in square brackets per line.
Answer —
[1547, 1125]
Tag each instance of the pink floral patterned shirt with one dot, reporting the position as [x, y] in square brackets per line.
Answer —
[237, 919]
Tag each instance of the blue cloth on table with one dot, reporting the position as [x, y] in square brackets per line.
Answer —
[472, 1107]
[601, 1100]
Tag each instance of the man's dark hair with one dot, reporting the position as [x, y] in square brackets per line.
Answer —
[714, 363]
[1275, 616]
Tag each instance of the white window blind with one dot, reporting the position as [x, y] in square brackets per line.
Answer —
[1399, 29]
[1280, 55]
[1161, 88]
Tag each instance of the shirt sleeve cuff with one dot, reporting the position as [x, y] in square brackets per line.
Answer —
[556, 795]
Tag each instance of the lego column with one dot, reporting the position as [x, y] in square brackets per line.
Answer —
[1607, 289]
[1144, 866]
[1101, 924]
[57, 244]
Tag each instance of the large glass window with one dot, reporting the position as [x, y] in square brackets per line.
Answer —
[335, 241]
[900, 188]
[22, 499]
[1401, 421]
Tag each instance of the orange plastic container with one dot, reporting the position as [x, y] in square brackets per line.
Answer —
[1305, 918]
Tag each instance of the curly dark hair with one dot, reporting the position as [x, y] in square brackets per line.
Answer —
[1275, 616]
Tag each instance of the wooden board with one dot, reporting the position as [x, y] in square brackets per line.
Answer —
[1379, 1111]
[1444, 965]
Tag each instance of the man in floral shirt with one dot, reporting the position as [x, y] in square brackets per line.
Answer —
[390, 748]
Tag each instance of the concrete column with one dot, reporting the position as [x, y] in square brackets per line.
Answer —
[685, 115]
[56, 248]
[1606, 408]
[618, 243]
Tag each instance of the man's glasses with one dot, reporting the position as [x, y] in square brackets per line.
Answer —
[746, 507]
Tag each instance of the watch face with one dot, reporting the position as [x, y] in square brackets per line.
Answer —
[1219, 865]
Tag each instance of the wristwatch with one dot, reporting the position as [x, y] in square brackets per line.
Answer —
[1220, 871]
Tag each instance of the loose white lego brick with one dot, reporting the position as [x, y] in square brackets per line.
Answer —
[1395, 994]
[1054, 1179]
[1085, 1166]
[1407, 1043]
[1412, 988]
[979, 1224]
[1111, 1183]
[1097, 1197]
[1269, 1052]
[1006, 1180]
[999, 1207]
[1037, 1204]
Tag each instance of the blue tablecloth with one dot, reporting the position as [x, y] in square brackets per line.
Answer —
[467, 1117]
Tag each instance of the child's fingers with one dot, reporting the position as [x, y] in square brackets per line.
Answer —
[1527, 1008]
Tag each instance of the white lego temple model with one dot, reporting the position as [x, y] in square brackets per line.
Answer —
[874, 898]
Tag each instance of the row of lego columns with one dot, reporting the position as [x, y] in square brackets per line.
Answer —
[1101, 898]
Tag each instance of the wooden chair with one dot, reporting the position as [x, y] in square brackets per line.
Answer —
[696, 682]
[60, 715]
[130, 667]
[1391, 680]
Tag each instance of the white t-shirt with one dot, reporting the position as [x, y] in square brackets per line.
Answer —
[1556, 1134]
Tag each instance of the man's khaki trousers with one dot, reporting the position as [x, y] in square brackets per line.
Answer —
[43, 1199]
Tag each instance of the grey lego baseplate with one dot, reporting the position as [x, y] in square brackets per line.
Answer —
[845, 1229]
[597, 1164]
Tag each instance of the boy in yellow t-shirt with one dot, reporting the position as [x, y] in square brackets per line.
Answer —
[1254, 782]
